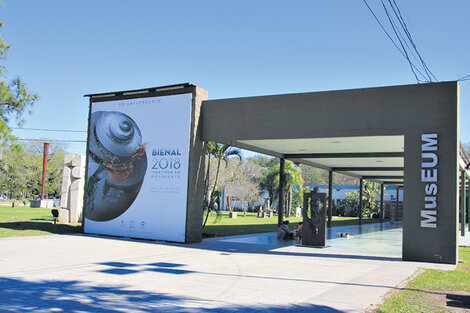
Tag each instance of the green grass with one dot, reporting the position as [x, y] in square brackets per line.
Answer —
[428, 291]
[27, 221]
[9, 214]
[251, 224]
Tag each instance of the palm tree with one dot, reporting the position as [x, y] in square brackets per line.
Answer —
[269, 179]
[224, 152]
[219, 152]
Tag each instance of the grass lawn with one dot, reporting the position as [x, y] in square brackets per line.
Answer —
[27, 221]
[434, 290]
[251, 224]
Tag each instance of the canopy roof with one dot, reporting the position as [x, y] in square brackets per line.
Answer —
[376, 158]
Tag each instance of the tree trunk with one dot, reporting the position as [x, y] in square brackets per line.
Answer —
[216, 175]
[289, 203]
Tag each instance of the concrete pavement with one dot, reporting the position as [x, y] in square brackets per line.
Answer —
[83, 273]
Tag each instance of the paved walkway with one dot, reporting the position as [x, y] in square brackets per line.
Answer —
[82, 273]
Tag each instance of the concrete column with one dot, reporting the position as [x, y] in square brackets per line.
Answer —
[381, 203]
[195, 202]
[361, 186]
[463, 198]
[397, 203]
[280, 210]
[330, 198]
[468, 210]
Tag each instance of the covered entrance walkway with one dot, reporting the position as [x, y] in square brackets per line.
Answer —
[402, 135]
[372, 239]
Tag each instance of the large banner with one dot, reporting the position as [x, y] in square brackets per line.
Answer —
[138, 159]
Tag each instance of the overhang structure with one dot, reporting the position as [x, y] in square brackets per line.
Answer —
[402, 135]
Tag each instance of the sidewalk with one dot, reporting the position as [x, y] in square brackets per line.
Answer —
[80, 273]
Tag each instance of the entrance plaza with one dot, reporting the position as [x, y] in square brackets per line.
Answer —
[404, 136]
[252, 273]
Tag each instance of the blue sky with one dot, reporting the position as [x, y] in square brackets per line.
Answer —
[65, 49]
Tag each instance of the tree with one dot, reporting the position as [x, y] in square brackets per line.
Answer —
[264, 161]
[317, 176]
[15, 99]
[340, 179]
[219, 152]
[370, 193]
[21, 170]
[293, 179]
[223, 152]
[245, 191]
[312, 175]
[269, 179]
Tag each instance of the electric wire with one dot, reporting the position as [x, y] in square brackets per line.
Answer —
[72, 141]
[402, 22]
[416, 58]
[408, 38]
[51, 130]
[51, 140]
[401, 42]
[461, 79]
[390, 37]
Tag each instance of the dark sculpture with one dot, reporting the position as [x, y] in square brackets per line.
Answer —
[314, 218]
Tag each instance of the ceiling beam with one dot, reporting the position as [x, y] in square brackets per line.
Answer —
[344, 155]
[366, 169]
[383, 177]
[393, 183]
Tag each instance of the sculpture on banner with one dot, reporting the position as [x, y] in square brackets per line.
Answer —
[314, 219]
[116, 166]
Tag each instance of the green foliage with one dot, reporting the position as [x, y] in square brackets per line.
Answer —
[15, 100]
[313, 176]
[269, 179]
[219, 152]
[370, 193]
[298, 197]
[21, 170]
[263, 161]
[344, 206]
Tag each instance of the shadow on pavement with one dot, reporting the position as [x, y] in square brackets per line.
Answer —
[76, 296]
[235, 247]
[46, 226]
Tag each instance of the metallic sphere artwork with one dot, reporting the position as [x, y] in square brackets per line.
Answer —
[116, 166]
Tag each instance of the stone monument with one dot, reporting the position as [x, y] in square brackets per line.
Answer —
[314, 218]
[73, 186]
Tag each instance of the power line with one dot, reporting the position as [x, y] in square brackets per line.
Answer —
[399, 40]
[461, 79]
[408, 34]
[51, 140]
[405, 40]
[51, 130]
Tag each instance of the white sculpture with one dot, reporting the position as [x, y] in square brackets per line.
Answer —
[73, 186]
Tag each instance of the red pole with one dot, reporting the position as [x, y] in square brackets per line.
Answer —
[44, 167]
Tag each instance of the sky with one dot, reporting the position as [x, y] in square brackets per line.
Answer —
[66, 49]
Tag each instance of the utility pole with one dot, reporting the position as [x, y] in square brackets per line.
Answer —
[44, 167]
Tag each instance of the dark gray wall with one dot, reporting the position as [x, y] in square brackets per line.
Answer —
[196, 171]
[400, 110]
